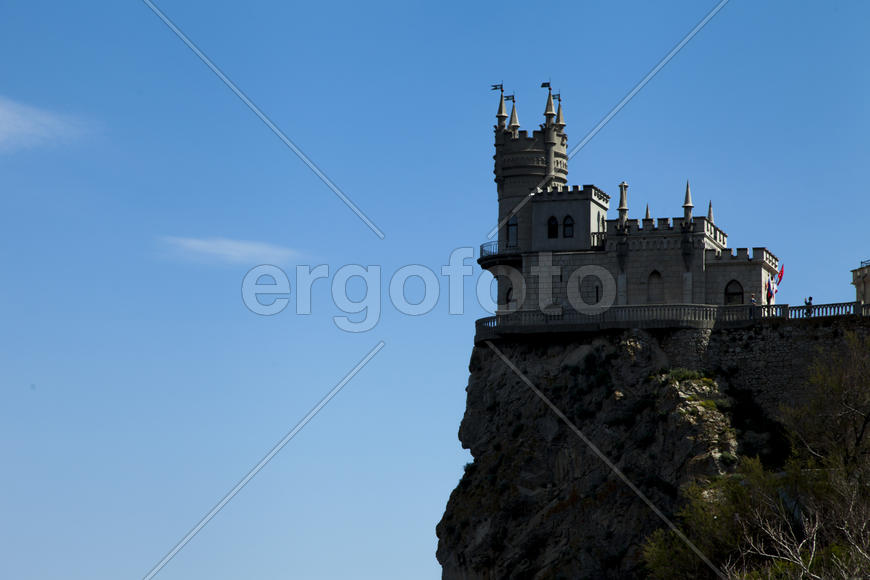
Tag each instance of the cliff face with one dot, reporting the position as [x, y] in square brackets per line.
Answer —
[537, 503]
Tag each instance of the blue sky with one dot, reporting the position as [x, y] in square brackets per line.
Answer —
[137, 191]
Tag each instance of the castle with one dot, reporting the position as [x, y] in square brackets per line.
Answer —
[662, 408]
[558, 252]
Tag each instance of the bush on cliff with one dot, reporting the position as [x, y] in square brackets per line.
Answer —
[808, 520]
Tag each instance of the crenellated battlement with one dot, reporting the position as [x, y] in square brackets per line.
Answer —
[522, 137]
[560, 190]
[669, 226]
[762, 255]
[520, 156]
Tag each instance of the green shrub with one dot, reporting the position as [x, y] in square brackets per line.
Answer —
[681, 374]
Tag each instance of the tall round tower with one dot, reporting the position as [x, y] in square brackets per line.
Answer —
[525, 164]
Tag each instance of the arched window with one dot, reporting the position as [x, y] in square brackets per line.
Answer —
[590, 289]
[552, 227]
[733, 292]
[512, 232]
[655, 288]
[509, 298]
[568, 227]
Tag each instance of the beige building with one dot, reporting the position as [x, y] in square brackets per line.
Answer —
[557, 242]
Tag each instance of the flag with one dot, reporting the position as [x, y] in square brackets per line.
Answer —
[770, 292]
[781, 272]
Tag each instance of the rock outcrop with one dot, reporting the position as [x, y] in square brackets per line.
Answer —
[664, 407]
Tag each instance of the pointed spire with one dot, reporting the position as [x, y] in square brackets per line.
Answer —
[515, 123]
[710, 212]
[688, 201]
[501, 115]
[647, 216]
[550, 111]
[687, 205]
[623, 204]
[560, 120]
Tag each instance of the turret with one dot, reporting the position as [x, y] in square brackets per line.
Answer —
[501, 115]
[552, 137]
[527, 162]
[515, 123]
[623, 204]
[550, 110]
[687, 207]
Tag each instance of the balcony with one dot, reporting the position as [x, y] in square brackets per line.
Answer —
[599, 239]
[658, 316]
[491, 255]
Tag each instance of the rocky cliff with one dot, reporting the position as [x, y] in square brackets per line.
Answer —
[665, 406]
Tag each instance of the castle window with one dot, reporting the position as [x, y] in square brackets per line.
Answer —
[512, 232]
[733, 293]
[568, 227]
[590, 289]
[552, 227]
[655, 288]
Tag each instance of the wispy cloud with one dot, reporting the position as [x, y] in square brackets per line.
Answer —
[23, 126]
[229, 251]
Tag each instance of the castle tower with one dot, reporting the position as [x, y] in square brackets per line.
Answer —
[525, 164]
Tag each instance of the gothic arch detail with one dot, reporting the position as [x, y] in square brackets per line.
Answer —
[655, 288]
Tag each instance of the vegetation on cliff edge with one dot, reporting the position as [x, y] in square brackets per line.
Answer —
[810, 519]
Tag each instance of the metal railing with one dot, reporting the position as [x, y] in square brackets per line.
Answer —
[865, 263]
[492, 249]
[489, 249]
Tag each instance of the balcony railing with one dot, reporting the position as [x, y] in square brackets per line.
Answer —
[599, 239]
[823, 310]
[489, 249]
[865, 263]
[492, 249]
[658, 316]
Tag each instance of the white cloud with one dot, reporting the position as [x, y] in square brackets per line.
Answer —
[23, 126]
[230, 251]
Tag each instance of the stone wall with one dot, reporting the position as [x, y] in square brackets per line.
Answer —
[771, 360]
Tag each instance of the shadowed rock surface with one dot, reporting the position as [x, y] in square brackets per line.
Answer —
[537, 503]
